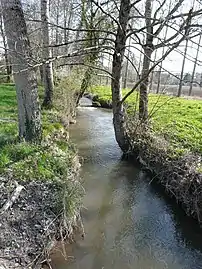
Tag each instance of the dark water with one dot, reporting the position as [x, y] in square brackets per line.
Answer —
[128, 222]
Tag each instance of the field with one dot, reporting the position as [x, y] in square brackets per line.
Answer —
[179, 120]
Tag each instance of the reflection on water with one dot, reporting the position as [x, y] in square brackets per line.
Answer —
[128, 223]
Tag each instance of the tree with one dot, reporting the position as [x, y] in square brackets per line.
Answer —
[126, 68]
[48, 66]
[182, 70]
[116, 84]
[187, 78]
[6, 56]
[24, 76]
[160, 67]
[148, 49]
[92, 18]
[195, 63]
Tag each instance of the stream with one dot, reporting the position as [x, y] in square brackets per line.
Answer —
[129, 222]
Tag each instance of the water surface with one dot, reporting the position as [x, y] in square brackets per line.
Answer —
[129, 223]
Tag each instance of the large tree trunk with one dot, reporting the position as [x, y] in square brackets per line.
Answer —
[47, 67]
[148, 49]
[118, 109]
[7, 62]
[25, 78]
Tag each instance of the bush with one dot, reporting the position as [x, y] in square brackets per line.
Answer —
[66, 94]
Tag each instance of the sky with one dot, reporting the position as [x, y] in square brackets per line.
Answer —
[173, 62]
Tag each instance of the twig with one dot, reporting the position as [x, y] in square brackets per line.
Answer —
[10, 201]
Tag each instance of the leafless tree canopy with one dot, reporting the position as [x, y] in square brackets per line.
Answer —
[130, 39]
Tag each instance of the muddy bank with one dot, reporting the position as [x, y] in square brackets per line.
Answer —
[180, 176]
[38, 217]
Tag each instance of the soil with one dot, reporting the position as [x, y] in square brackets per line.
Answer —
[29, 226]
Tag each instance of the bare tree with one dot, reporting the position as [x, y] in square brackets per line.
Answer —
[24, 76]
[161, 64]
[6, 56]
[195, 63]
[92, 18]
[148, 49]
[127, 65]
[152, 74]
[48, 66]
[182, 70]
[116, 84]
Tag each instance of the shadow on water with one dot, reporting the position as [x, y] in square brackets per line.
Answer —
[186, 227]
[129, 223]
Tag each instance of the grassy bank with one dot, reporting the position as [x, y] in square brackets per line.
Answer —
[179, 120]
[172, 146]
[49, 203]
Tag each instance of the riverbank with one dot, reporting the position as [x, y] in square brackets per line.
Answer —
[172, 146]
[40, 194]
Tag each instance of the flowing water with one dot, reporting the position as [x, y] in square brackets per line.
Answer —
[128, 222]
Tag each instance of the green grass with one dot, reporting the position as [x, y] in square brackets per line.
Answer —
[8, 114]
[52, 164]
[49, 161]
[179, 120]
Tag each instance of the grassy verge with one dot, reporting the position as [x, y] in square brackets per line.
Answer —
[49, 173]
[171, 148]
[179, 120]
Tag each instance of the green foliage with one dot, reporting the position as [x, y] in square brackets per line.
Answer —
[65, 93]
[8, 114]
[47, 162]
[52, 163]
[11, 153]
[179, 120]
[51, 160]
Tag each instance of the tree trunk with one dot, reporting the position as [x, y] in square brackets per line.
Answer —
[92, 41]
[85, 83]
[118, 109]
[67, 23]
[7, 62]
[182, 70]
[127, 64]
[160, 67]
[139, 66]
[56, 50]
[47, 67]
[25, 78]
[41, 74]
[109, 61]
[152, 74]
[148, 49]
[195, 63]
